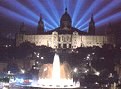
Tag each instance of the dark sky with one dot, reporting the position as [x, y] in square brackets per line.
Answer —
[14, 12]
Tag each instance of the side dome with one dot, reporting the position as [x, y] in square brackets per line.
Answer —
[65, 20]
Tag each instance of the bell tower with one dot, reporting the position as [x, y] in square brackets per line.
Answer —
[91, 30]
[40, 28]
[22, 28]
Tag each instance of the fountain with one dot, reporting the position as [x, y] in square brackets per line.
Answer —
[56, 69]
[56, 75]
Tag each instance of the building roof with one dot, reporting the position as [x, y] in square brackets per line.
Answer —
[63, 31]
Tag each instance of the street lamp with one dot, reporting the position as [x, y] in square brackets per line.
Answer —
[86, 71]
[38, 55]
[37, 62]
[22, 71]
[42, 58]
[75, 70]
[97, 73]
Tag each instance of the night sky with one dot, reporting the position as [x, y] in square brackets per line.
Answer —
[14, 12]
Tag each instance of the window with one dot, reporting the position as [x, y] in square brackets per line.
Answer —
[58, 38]
[59, 45]
[64, 46]
[69, 45]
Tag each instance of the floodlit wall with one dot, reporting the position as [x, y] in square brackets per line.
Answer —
[73, 41]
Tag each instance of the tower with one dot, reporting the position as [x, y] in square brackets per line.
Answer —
[91, 30]
[22, 28]
[65, 21]
[40, 28]
[110, 30]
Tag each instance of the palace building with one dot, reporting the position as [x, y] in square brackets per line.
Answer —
[65, 36]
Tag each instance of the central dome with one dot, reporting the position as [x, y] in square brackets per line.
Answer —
[66, 16]
[65, 20]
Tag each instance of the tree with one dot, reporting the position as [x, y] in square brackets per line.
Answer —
[13, 68]
[24, 50]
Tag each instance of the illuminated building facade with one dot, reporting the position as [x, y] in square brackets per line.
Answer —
[66, 36]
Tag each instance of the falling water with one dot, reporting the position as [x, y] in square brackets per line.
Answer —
[56, 68]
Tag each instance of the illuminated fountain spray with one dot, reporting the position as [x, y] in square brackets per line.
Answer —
[56, 75]
[56, 69]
